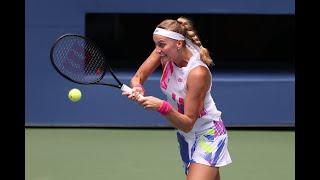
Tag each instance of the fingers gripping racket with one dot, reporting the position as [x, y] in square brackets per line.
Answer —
[80, 60]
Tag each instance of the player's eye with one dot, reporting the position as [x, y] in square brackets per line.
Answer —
[161, 45]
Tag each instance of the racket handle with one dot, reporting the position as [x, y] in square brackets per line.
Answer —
[128, 89]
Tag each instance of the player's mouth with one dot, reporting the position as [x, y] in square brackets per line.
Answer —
[163, 56]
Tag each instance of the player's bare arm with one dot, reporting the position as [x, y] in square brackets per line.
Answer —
[144, 71]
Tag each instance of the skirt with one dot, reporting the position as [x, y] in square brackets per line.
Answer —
[208, 147]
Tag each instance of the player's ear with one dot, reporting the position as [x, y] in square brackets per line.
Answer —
[179, 44]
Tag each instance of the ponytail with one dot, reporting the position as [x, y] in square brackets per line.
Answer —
[191, 34]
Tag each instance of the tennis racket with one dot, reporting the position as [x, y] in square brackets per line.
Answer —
[80, 60]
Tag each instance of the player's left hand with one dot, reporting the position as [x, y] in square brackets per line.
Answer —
[150, 102]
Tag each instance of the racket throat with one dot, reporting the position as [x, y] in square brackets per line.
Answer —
[111, 85]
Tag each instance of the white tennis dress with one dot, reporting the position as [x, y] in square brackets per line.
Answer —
[207, 142]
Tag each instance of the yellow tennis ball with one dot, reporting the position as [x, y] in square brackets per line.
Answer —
[74, 95]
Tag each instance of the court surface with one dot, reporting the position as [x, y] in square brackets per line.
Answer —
[138, 154]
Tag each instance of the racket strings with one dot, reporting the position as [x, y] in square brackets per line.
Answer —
[79, 59]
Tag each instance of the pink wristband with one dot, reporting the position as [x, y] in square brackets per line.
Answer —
[140, 85]
[165, 108]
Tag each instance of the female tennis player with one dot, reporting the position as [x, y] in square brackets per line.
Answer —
[186, 81]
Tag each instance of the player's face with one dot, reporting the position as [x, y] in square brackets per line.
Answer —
[166, 47]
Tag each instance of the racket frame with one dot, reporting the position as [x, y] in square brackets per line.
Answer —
[97, 82]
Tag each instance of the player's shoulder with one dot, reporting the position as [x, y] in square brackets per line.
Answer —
[199, 74]
[199, 71]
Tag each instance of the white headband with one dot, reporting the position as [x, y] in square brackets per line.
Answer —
[169, 34]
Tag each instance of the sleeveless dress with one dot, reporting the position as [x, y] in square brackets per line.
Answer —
[207, 142]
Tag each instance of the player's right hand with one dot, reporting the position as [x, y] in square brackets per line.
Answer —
[135, 95]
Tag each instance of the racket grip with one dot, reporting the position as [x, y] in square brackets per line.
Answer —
[128, 89]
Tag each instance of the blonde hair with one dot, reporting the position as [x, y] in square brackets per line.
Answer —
[185, 27]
